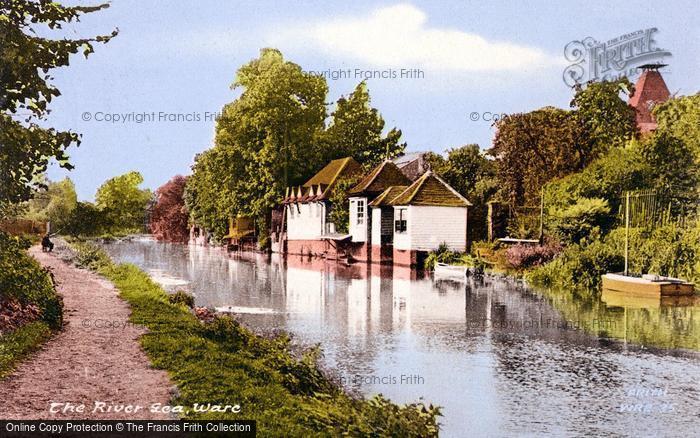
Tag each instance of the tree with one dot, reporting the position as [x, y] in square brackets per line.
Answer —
[680, 118]
[268, 134]
[675, 174]
[533, 148]
[356, 131]
[87, 220]
[536, 147]
[340, 207]
[169, 217]
[54, 204]
[26, 147]
[123, 203]
[273, 137]
[603, 118]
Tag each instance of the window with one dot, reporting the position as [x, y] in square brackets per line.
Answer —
[360, 211]
[400, 225]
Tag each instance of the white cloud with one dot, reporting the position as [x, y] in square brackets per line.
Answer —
[399, 36]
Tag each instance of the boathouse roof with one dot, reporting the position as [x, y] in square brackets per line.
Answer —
[330, 174]
[379, 179]
[387, 196]
[430, 190]
[320, 185]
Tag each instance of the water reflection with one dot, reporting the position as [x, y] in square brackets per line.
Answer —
[500, 358]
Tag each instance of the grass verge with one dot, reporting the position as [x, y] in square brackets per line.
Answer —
[16, 345]
[223, 363]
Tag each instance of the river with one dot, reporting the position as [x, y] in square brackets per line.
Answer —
[501, 359]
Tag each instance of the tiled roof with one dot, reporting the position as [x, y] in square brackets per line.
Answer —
[413, 165]
[329, 175]
[385, 175]
[649, 90]
[320, 185]
[430, 189]
[387, 196]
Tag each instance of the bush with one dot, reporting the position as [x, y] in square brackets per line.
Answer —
[441, 255]
[90, 256]
[586, 217]
[578, 267]
[182, 297]
[23, 279]
[521, 257]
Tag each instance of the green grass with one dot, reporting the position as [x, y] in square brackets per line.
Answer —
[16, 345]
[224, 363]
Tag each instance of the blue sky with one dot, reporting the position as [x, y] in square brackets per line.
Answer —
[487, 57]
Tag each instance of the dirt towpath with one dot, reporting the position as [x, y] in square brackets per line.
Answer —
[95, 359]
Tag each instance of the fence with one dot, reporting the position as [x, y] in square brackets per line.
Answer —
[17, 227]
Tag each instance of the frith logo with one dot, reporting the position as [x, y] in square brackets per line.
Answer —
[592, 60]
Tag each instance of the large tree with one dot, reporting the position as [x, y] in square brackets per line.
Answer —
[54, 204]
[533, 148]
[274, 136]
[270, 130]
[357, 129]
[123, 202]
[26, 147]
[169, 216]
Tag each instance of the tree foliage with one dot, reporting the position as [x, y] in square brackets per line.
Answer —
[273, 136]
[54, 204]
[26, 91]
[357, 131]
[680, 118]
[122, 202]
[536, 147]
[340, 207]
[169, 216]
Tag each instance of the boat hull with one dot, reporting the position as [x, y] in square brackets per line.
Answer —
[641, 286]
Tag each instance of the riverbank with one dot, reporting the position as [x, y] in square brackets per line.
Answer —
[30, 308]
[95, 357]
[223, 363]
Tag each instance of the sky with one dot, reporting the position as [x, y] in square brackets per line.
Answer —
[439, 71]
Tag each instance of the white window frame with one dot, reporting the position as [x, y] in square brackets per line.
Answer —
[360, 211]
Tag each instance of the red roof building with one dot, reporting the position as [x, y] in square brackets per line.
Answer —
[649, 91]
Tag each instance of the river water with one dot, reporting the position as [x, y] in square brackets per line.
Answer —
[501, 359]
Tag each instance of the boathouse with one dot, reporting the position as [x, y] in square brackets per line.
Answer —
[372, 185]
[425, 214]
[308, 230]
[241, 233]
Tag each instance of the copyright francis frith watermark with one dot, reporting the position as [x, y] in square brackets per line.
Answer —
[593, 60]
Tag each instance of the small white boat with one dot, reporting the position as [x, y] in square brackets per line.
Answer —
[247, 310]
[443, 270]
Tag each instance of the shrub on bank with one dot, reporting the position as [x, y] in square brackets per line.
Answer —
[578, 267]
[222, 362]
[18, 344]
[27, 288]
[182, 297]
[23, 279]
[521, 256]
[669, 251]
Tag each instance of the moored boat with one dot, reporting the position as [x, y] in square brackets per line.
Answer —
[443, 270]
[648, 285]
